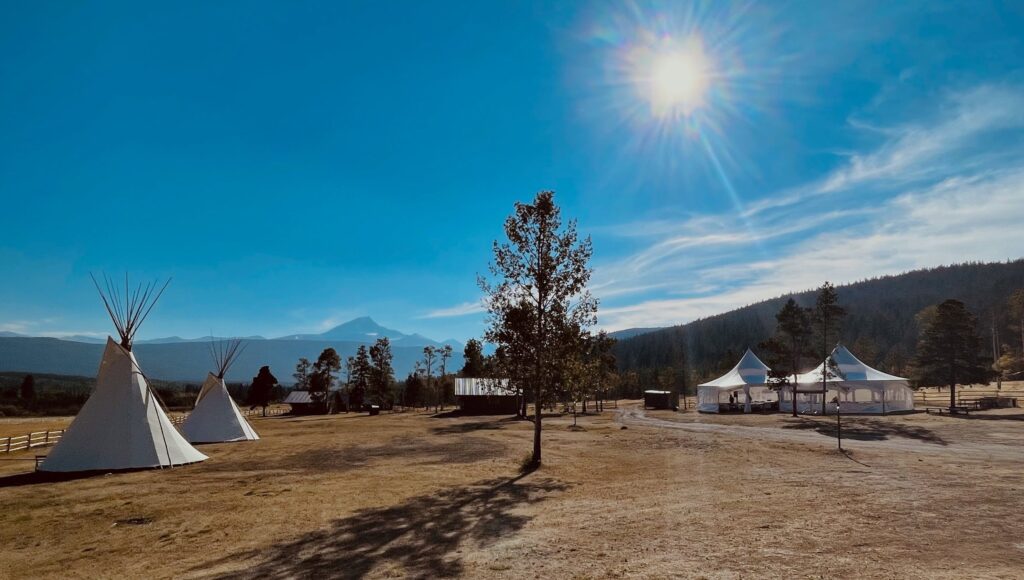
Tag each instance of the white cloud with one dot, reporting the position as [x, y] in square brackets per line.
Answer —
[916, 153]
[934, 192]
[19, 326]
[955, 220]
[463, 309]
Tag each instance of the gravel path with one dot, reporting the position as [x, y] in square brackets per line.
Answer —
[635, 415]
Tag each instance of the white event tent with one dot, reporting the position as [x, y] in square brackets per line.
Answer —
[122, 425]
[860, 388]
[749, 376]
[216, 417]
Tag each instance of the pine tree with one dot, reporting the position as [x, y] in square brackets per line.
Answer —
[28, 388]
[473, 357]
[382, 375]
[262, 389]
[301, 374]
[429, 353]
[360, 378]
[1016, 304]
[826, 315]
[413, 390]
[321, 380]
[444, 353]
[948, 349]
[786, 349]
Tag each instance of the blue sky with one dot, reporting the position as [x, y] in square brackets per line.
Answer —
[296, 164]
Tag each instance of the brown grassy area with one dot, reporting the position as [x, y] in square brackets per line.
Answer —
[412, 495]
[16, 426]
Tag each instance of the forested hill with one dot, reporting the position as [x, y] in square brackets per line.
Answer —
[880, 327]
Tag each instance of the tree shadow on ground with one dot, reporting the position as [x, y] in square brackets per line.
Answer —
[419, 538]
[342, 458]
[981, 416]
[44, 477]
[866, 430]
[469, 427]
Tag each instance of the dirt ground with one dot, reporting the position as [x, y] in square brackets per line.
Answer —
[669, 495]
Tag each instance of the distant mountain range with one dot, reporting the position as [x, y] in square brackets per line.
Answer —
[365, 329]
[188, 359]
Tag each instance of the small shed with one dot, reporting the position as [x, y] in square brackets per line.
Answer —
[661, 400]
[479, 396]
[302, 403]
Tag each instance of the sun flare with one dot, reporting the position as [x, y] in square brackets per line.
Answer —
[676, 79]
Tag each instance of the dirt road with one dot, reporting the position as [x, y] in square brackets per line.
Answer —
[636, 415]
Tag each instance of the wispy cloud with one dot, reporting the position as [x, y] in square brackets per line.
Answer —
[33, 327]
[927, 150]
[44, 327]
[19, 326]
[946, 189]
[463, 309]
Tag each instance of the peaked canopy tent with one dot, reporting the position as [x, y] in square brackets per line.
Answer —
[860, 388]
[122, 425]
[216, 418]
[749, 376]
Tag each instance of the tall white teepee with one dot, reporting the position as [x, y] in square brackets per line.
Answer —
[122, 425]
[216, 418]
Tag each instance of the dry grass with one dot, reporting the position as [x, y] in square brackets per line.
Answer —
[412, 495]
[16, 426]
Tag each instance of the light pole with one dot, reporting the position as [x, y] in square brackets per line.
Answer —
[839, 425]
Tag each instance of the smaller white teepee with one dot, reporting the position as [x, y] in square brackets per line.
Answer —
[216, 418]
[122, 425]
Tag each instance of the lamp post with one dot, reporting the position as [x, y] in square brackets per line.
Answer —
[839, 426]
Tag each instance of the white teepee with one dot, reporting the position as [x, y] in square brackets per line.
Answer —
[122, 425]
[216, 418]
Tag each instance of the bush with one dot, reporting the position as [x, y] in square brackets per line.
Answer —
[12, 411]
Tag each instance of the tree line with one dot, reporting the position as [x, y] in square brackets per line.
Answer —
[881, 326]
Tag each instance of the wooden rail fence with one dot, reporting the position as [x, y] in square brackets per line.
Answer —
[965, 396]
[51, 437]
[247, 413]
[34, 439]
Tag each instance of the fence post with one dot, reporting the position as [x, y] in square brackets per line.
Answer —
[8, 445]
[29, 441]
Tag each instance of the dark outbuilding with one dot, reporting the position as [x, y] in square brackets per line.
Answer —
[661, 400]
[486, 397]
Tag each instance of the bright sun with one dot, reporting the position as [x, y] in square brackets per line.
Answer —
[677, 79]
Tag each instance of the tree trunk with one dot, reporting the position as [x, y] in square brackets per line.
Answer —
[796, 348]
[952, 385]
[794, 395]
[537, 412]
[824, 364]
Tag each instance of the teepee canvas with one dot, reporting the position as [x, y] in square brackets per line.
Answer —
[216, 418]
[122, 425]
